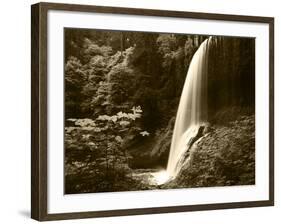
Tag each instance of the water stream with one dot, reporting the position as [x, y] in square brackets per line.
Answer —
[191, 113]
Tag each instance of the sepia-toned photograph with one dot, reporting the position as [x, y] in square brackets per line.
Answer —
[156, 111]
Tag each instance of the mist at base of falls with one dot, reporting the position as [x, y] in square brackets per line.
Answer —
[183, 145]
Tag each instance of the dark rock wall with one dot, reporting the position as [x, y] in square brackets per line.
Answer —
[231, 74]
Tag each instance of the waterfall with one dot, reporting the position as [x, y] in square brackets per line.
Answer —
[192, 110]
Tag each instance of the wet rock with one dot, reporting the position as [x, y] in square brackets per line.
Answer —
[197, 136]
[225, 156]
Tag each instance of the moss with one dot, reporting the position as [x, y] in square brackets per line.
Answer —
[225, 156]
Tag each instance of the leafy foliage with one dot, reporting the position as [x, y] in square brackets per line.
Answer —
[75, 78]
[95, 156]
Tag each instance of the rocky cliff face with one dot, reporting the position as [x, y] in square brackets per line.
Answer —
[222, 157]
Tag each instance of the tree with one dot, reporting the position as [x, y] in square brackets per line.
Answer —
[75, 79]
[95, 147]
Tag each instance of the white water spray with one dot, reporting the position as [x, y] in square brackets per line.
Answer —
[192, 110]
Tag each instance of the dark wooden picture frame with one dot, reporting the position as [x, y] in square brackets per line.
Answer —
[39, 105]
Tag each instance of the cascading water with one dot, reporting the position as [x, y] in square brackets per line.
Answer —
[191, 114]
